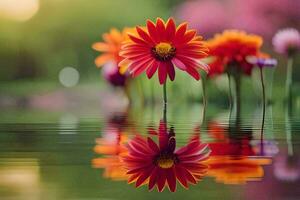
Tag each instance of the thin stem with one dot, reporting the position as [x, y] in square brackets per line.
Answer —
[165, 101]
[165, 93]
[263, 99]
[152, 92]
[289, 79]
[204, 97]
[288, 131]
[229, 90]
[237, 78]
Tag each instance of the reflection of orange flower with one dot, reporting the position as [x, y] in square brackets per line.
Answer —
[231, 48]
[226, 145]
[111, 149]
[236, 170]
[111, 46]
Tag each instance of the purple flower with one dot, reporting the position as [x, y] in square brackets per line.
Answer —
[111, 74]
[287, 41]
[286, 168]
[262, 62]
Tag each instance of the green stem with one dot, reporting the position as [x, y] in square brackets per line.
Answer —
[237, 78]
[263, 99]
[289, 79]
[229, 90]
[288, 130]
[165, 101]
[204, 97]
[152, 92]
[165, 93]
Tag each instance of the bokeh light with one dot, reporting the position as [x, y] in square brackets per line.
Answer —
[19, 10]
[69, 76]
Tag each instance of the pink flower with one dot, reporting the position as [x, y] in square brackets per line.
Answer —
[261, 17]
[287, 41]
[199, 15]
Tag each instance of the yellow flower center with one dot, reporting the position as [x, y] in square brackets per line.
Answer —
[163, 48]
[165, 163]
[166, 160]
[163, 51]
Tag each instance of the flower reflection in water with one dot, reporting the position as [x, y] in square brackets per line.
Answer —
[233, 160]
[111, 147]
[161, 164]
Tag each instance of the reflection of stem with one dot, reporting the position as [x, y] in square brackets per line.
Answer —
[237, 78]
[229, 90]
[288, 131]
[165, 101]
[289, 80]
[263, 100]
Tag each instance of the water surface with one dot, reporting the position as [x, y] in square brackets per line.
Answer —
[75, 156]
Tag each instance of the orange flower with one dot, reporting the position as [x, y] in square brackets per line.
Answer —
[111, 46]
[236, 170]
[162, 46]
[230, 49]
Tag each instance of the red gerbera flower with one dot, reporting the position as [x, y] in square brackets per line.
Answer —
[231, 48]
[162, 46]
[161, 165]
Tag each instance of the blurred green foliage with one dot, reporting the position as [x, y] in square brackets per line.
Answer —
[61, 34]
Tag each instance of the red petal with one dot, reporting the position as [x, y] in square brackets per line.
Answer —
[188, 36]
[188, 176]
[163, 135]
[171, 71]
[138, 169]
[152, 145]
[153, 178]
[137, 40]
[132, 178]
[162, 72]
[135, 65]
[152, 31]
[144, 35]
[161, 179]
[151, 130]
[139, 148]
[193, 72]
[170, 29]
[171, 179]
[142, 68]
[178, 64]
[152, 69]
[144, 176]
[180, 33]
[160, 28]
[181, 177]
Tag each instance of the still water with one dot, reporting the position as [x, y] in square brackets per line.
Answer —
[216, 154]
